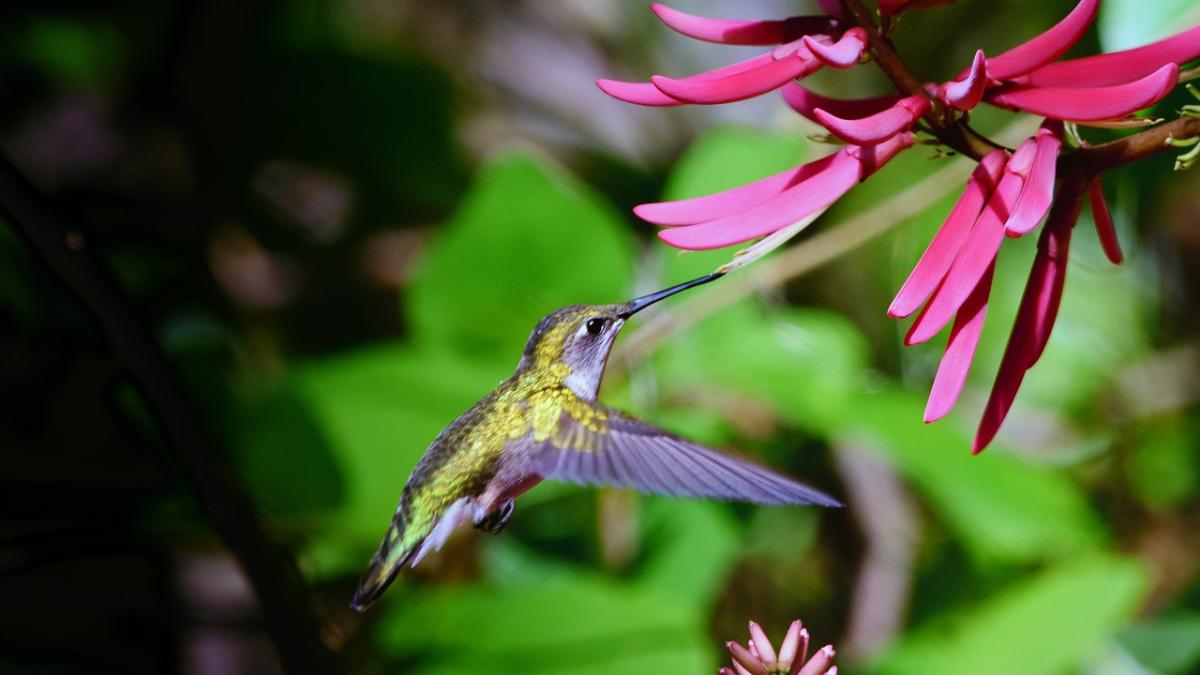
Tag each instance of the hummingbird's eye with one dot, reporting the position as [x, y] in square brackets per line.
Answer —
[595, 326]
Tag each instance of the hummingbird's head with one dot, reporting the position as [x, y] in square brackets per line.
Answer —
[575, 341]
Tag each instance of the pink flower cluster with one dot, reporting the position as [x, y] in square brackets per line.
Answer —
[760, 658]
[1008, 195]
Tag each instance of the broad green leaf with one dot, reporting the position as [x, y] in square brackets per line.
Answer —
[561, 623]
[1045, 625]
[1000, 506]
[724, 158]
[1163, 469]
[525, 241]
[808, 364]
[692, 545]
[1170, 645]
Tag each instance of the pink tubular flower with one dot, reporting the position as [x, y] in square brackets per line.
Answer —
[1008, 195]
[760, 658]
[804, 44]
[760, 208]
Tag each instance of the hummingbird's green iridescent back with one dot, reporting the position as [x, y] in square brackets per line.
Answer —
[544, 422]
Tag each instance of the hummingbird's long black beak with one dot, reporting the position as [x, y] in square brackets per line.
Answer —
[638, 304]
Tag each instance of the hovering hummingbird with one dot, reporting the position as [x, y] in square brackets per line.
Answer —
[545, 422]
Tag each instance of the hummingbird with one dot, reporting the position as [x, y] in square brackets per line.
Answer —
[545, 422]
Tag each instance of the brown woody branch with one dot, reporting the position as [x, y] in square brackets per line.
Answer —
[953, 131]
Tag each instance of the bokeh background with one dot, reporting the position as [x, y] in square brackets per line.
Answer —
[341, 219]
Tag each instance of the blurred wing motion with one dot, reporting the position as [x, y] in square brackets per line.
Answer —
[631, 453]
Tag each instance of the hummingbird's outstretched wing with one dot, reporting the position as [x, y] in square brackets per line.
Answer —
[630, 453]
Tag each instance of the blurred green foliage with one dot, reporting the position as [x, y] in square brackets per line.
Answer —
[1067, 546]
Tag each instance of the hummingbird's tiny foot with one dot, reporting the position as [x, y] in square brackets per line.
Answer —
[497, 520]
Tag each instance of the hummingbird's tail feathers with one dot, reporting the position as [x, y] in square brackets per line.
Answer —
[631, 453]
[406, 544]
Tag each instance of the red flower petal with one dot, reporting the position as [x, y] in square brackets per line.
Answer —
[1038, 192]
[1104, 224]
[966, 92]
[977, 252]
[805, 101]
[894, 7]
[874, 128]
[841, 54]
[845, 167]
[820, 190]
[935, 262]
[1035, 319]
[645, 93]
[1045, 47]
[729, 202]
[1088, 104]
[960, 350]
[742, 85]
[1118, 67]
[640, 93]
[740, 32]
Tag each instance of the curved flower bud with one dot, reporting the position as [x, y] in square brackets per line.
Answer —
[765, 651]
[1118, 67]
[795, 644]
[965, 93]
[834, 176]
[1046, 47]
[894, 7]
[1104, 224]
[645, 93]
[1035, 319]
[1035, 198]
[729, 202]
[1089, 104]
[819, 664]
[806, 101]
[638, 93]
[977, 252]
[745, 84]
[741, 32]
[841, 54]
[875, 128]
[935, 262]
[960, 350]
[742, 657]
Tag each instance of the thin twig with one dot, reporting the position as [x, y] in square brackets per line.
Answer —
[288, 611]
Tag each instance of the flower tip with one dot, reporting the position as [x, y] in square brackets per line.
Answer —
[760, 642]
[965, 93]
[638, 93]
[842, 54]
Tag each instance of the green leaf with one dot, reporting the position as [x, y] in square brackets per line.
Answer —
[565, 622]
[525, 241]
[808, 364]
[1163, 469]
[724, 158]
[1002, 507]
[1048, 624]
[1168, 645]
[692, 547]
